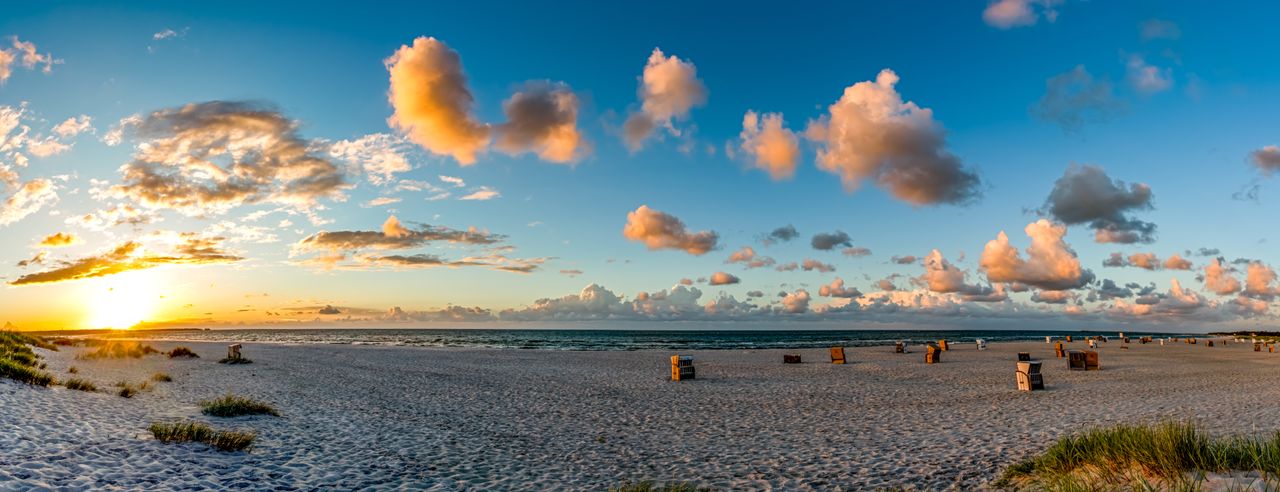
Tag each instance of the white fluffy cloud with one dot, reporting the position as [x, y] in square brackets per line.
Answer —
[659, 230]
[796, 302]
[669, 88]
[379, 156]
[871, 133]
[1050, 263]
[722, 278]
[769, 145]
[28, 199]
[179, 163]
[837, 289]
[1218, 278]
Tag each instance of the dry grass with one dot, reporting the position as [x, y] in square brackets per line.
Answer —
[161, 377]
[1168, 455]
[235, 406]
[80, 385]
[183, 352]
[117, 349]
[18, 362]
[651, 486]
[222, 440]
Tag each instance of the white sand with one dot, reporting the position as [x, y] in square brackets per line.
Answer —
[450, 419]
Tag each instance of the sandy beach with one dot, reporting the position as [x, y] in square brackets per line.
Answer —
[487, 419]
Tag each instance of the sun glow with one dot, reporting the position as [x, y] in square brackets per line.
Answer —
[122, 301]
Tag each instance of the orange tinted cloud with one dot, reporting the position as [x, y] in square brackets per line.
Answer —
[60, 239]
[659, 230]
[1050, 263]
[768, 145]
[190, 250]
[431, 101]
[669, 88]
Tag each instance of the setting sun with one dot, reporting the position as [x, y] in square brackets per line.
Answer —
[121, 301]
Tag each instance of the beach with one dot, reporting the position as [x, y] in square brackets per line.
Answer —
[490, 419]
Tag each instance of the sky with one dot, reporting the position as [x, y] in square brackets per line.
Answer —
[973, 164]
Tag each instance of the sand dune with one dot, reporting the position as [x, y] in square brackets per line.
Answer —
[455, 419]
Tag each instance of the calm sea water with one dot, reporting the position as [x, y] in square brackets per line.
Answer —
[607, 339]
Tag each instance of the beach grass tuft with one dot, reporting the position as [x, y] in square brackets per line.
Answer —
[161, 377]
[73, 370]
[183, 352]
[18, 362]
[80, 385]
[118, 349]
[1166, 455]
[222, 440]
[235, 406]
[651, 486]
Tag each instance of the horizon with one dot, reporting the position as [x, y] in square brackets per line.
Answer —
[1052, 164]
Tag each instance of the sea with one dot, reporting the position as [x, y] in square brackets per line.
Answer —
[587, 339]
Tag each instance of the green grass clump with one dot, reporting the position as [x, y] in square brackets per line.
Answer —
[651, 486]
[222, 440]
[19, 362]
[80, 385]
[182, 352]
[118, 349]
[235, 406]
[1165, 455]
[161, 377]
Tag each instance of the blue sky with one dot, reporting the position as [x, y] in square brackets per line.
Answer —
[1188, 135]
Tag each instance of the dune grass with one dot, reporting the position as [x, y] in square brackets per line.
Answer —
[18, 362]
[80, 385]
[222, 440]
[161, 377]
[183, 352]
[235, 406]
[651, 486]
[73, 370]
[1167, 455]
[117, 349]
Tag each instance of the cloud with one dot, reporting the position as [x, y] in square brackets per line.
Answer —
[379, 156]
[1073, 98]
[796, 302]
[886, 284]
[856, 252]
[542, 118]
[871, 133]
[904, 260]
[747, 256]
[1052, 296]
[25, 55]
[1218, 278]
[1177, 302]
[1146, 261]
[115, 215]
[659, 230]
[380, 201]
[206, 158]
[190, 249]
[1152, 29]
[450, 313]
[482, 194]
[168, 33]
[60, 239]
[722, 278]
[1008, 14]
[1085, 194]
[827, 241]
[770, 146]
[1109, 290]
[1177, 262]
[781, 235]
[940, 275]
[1146, 78]
[1267, 159]
[38, 259]
[787, 267]
[1259, 281]
[327, 309]
[571, 273]
[431, 101]
[28, 199]
[73, 126]
[394, 235]
[669, 88]
[837, 289]
[1050, 263]
[811, 265]
[455, 181]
